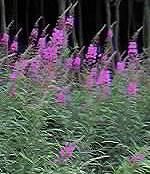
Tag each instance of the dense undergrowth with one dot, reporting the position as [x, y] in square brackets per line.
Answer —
[34, 127]
[62, 113]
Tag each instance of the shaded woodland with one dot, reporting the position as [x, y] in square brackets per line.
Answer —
[90, 16]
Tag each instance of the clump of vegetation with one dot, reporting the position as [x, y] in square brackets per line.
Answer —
[64, 110]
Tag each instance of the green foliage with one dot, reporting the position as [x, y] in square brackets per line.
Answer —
[33, 128]
[142, 167]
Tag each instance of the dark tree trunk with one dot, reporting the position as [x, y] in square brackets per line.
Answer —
[15, 13]
[72, 13]
[80, 23]
[117, 16]
[3, 29]
[108, 13]
[99, 15]
[3, 16]
[61, 6]
[42, 12]
[146, 23]
[27, 16]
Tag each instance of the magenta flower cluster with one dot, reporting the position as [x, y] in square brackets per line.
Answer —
[73, 62]
[67, 151]
[132, 48]
[103, 77]
[132, 87]
[136, 157]
[49, 49]
[4, 39]
[92, 52]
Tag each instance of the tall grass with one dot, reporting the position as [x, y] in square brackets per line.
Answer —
[55, 97]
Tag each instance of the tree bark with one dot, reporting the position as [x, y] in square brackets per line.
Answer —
[80, 23]
[3, 16]
[146, 24]
[15, 13]
[61, 6]
[117, 16]
[130, 16]
[108, 13]
[27, 16]
[42, 12]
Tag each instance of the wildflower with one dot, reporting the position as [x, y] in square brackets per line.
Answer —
[100, 55]
[4, 39]
[14, 46]
[57, 38]
[35, 65]
[42, 43]
[132, 87]
[67, 151]
[110, 33]
[21, 65]
[120, 66]
[91, 78]
[132, 48]
[73, 62]
[103, 78]
[76, 61]
[49, 53]
[70, 21]
[92, 52]
[34, 33]
[69, 63]
[60, 97]
[136, 157]
[13, 75]
[61, 23]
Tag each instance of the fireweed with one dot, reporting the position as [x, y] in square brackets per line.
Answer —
[91, 78]
[49, 52]
[109, 34]
[132, 48]
[136, 157]
[121, 66]
[42, 68]
[92, 52]
[4, 39]
[60, 97]
[14, 46]
[67, 151]
[132, 87]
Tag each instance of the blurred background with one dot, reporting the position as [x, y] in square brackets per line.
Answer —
[90, 16]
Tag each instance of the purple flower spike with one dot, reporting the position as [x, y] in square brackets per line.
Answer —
[13, 76]
[120, 66]
[14, 46]
[4, 39]
[67, 151]
[58, 37]
[132, 48]
[92, 52]
[109, 33]
[90, 80]
[103, 78]
[136, 157]
[76, 61]
[60, 97]
[70, 21]
[69, 63]
[132, 87]
[34, 33]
